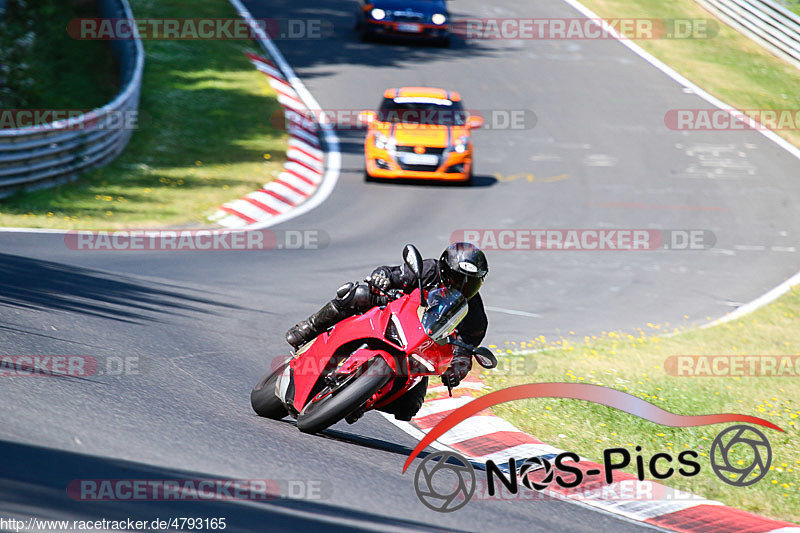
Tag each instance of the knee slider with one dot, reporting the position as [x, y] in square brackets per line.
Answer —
[353, 296]
[362, 297]
[344, 296]
[344, 290]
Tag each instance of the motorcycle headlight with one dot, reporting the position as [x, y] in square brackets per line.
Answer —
[438, 18]
[461, 145]
[378, 14]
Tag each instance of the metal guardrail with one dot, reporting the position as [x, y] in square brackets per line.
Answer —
[37, 156]
[769, 24]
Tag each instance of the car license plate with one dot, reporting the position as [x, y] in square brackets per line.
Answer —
[420, 159]
[410, 28]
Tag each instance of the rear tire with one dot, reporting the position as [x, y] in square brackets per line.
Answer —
[332, 409]
[263, 398]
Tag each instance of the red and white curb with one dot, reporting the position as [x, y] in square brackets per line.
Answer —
[312, 166]
[304, 168]
[485, 436]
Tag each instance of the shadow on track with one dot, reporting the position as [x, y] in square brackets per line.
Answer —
[373, 443]
[33, 482]
[45, 285]
[342, 46]
[477, 182]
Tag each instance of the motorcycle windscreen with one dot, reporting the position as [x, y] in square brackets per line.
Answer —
[446, 309]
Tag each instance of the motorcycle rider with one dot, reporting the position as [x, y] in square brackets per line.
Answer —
[462, 266]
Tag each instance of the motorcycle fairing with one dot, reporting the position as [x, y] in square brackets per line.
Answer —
[368, 328]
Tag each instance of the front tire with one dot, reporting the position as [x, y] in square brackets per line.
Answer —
[470, 178]
[263, 399]
[364, 33]
[333, 408]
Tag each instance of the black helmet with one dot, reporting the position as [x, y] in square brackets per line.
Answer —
[463, 266]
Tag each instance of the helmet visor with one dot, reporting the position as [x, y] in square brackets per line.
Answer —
[466, 285]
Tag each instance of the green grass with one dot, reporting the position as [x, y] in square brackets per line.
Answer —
[41, 67]
[741, 73]
[730, 66]
[205, 137]
[794, 5]
[634, 363]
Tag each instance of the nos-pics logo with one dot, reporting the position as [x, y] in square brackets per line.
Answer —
[446, 481]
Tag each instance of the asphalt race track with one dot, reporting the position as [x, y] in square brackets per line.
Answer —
[205, 325]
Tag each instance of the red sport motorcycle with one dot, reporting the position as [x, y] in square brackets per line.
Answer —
[367, 361]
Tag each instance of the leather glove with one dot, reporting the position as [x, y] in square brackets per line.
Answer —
[459, 367]
[379, 279]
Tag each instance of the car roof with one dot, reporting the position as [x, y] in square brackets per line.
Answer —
[422, 92]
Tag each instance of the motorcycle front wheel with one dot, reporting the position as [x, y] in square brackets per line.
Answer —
[263, 399]
[342, 400]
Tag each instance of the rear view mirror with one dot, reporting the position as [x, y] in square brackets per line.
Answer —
[366, 117]
[485, 358]
[474, 122]
[413, 260]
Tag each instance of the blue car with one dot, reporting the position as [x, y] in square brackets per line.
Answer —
[407, 19]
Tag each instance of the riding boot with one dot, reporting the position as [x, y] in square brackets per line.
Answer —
[320, 321]
[408, 405]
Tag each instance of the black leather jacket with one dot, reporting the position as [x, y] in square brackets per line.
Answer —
[472, 329]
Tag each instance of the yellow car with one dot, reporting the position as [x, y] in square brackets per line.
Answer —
[420, 133]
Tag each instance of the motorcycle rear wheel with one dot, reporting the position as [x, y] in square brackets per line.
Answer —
[263, 399]
[330, 409]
